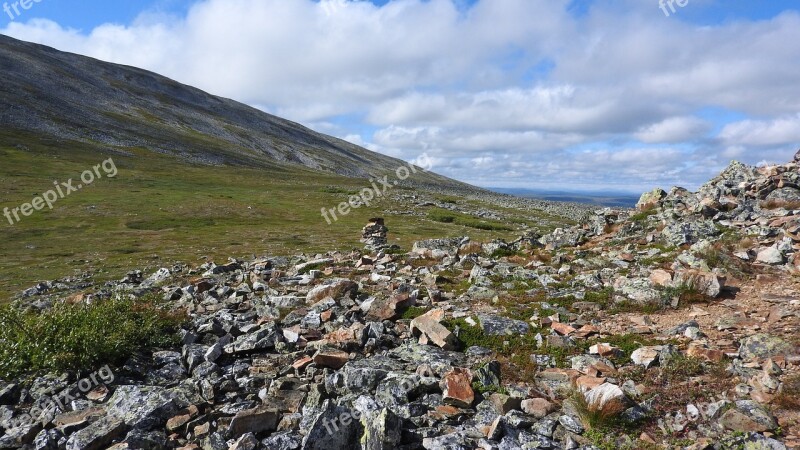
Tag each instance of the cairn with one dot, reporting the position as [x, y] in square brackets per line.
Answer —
[374, 235]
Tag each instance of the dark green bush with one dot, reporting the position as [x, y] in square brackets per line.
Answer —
[68, 337]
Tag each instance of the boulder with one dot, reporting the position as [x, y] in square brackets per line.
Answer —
[649, 200]
[608, 398]
[502, 326]
[706, 283]
[770, 256]
[748, 416]
[537, 407]
[457, 388]
[428, 329]
[336, 288]
[646, 356]
[389, 308]
[331, 357]
[763, 346]
[257, 420]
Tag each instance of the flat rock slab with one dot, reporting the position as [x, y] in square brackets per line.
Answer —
[502, 326]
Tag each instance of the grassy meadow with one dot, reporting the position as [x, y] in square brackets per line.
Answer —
[159, 210]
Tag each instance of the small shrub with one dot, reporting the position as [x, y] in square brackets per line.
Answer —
[68, 337]
[414, 312]
[596, 416]
[688, 291]
[438, 216]
[504, 253]
[681, 368]
[644, 215]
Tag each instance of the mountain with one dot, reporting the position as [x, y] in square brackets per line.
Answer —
[51, 94]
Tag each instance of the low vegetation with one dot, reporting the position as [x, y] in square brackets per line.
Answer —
[83, 336]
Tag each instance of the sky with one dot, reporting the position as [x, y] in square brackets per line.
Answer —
[611, 95]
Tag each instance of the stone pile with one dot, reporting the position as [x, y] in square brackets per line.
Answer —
[679, 320]
[374, 235]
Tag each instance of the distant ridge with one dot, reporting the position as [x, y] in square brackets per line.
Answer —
[50, 94]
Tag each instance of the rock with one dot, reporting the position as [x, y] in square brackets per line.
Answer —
[257, 420]
[683, 233]
[762, 346]
[649, 200]
[428, 325]
[748, 416]
[452, 441]
[771, 256]
[784, 195]
[457, 388]
[336, 288]
[608, 398]
[706, 283]
[501, 326]
[331, 357]
[438, 248]
[537, 407]
[334, 428]
[382, 427]
[389, 308]
[98, 435]
[562, 328]
[660, 277]
[246, 442]
[646, 356]
[640, 290]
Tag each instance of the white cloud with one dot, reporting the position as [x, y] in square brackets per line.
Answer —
[756, 133]
[672, 130]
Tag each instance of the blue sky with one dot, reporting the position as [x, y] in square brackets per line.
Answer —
[560, 94]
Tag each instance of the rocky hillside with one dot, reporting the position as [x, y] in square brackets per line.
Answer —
[51, 95]
[673, 326]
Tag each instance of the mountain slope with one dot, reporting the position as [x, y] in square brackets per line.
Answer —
[53, 94]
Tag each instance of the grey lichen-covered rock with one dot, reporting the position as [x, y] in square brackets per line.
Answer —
[640, 290]
[771, 256]
[334, 428]
[438, 248]
[762, 346]
[453, 441]
[683, 233]
[502, 326]
[650, 199]
[786, 194]
[561, 237]
[336, 288]
[98, 435]
[381, 427]
[748, 416]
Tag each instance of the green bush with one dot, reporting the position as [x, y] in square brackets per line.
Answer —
[438, 216]
[414, 312]
[68, 337]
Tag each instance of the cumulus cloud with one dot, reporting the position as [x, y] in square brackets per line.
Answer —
[757, 133]
[674, 129]
[495, 91]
